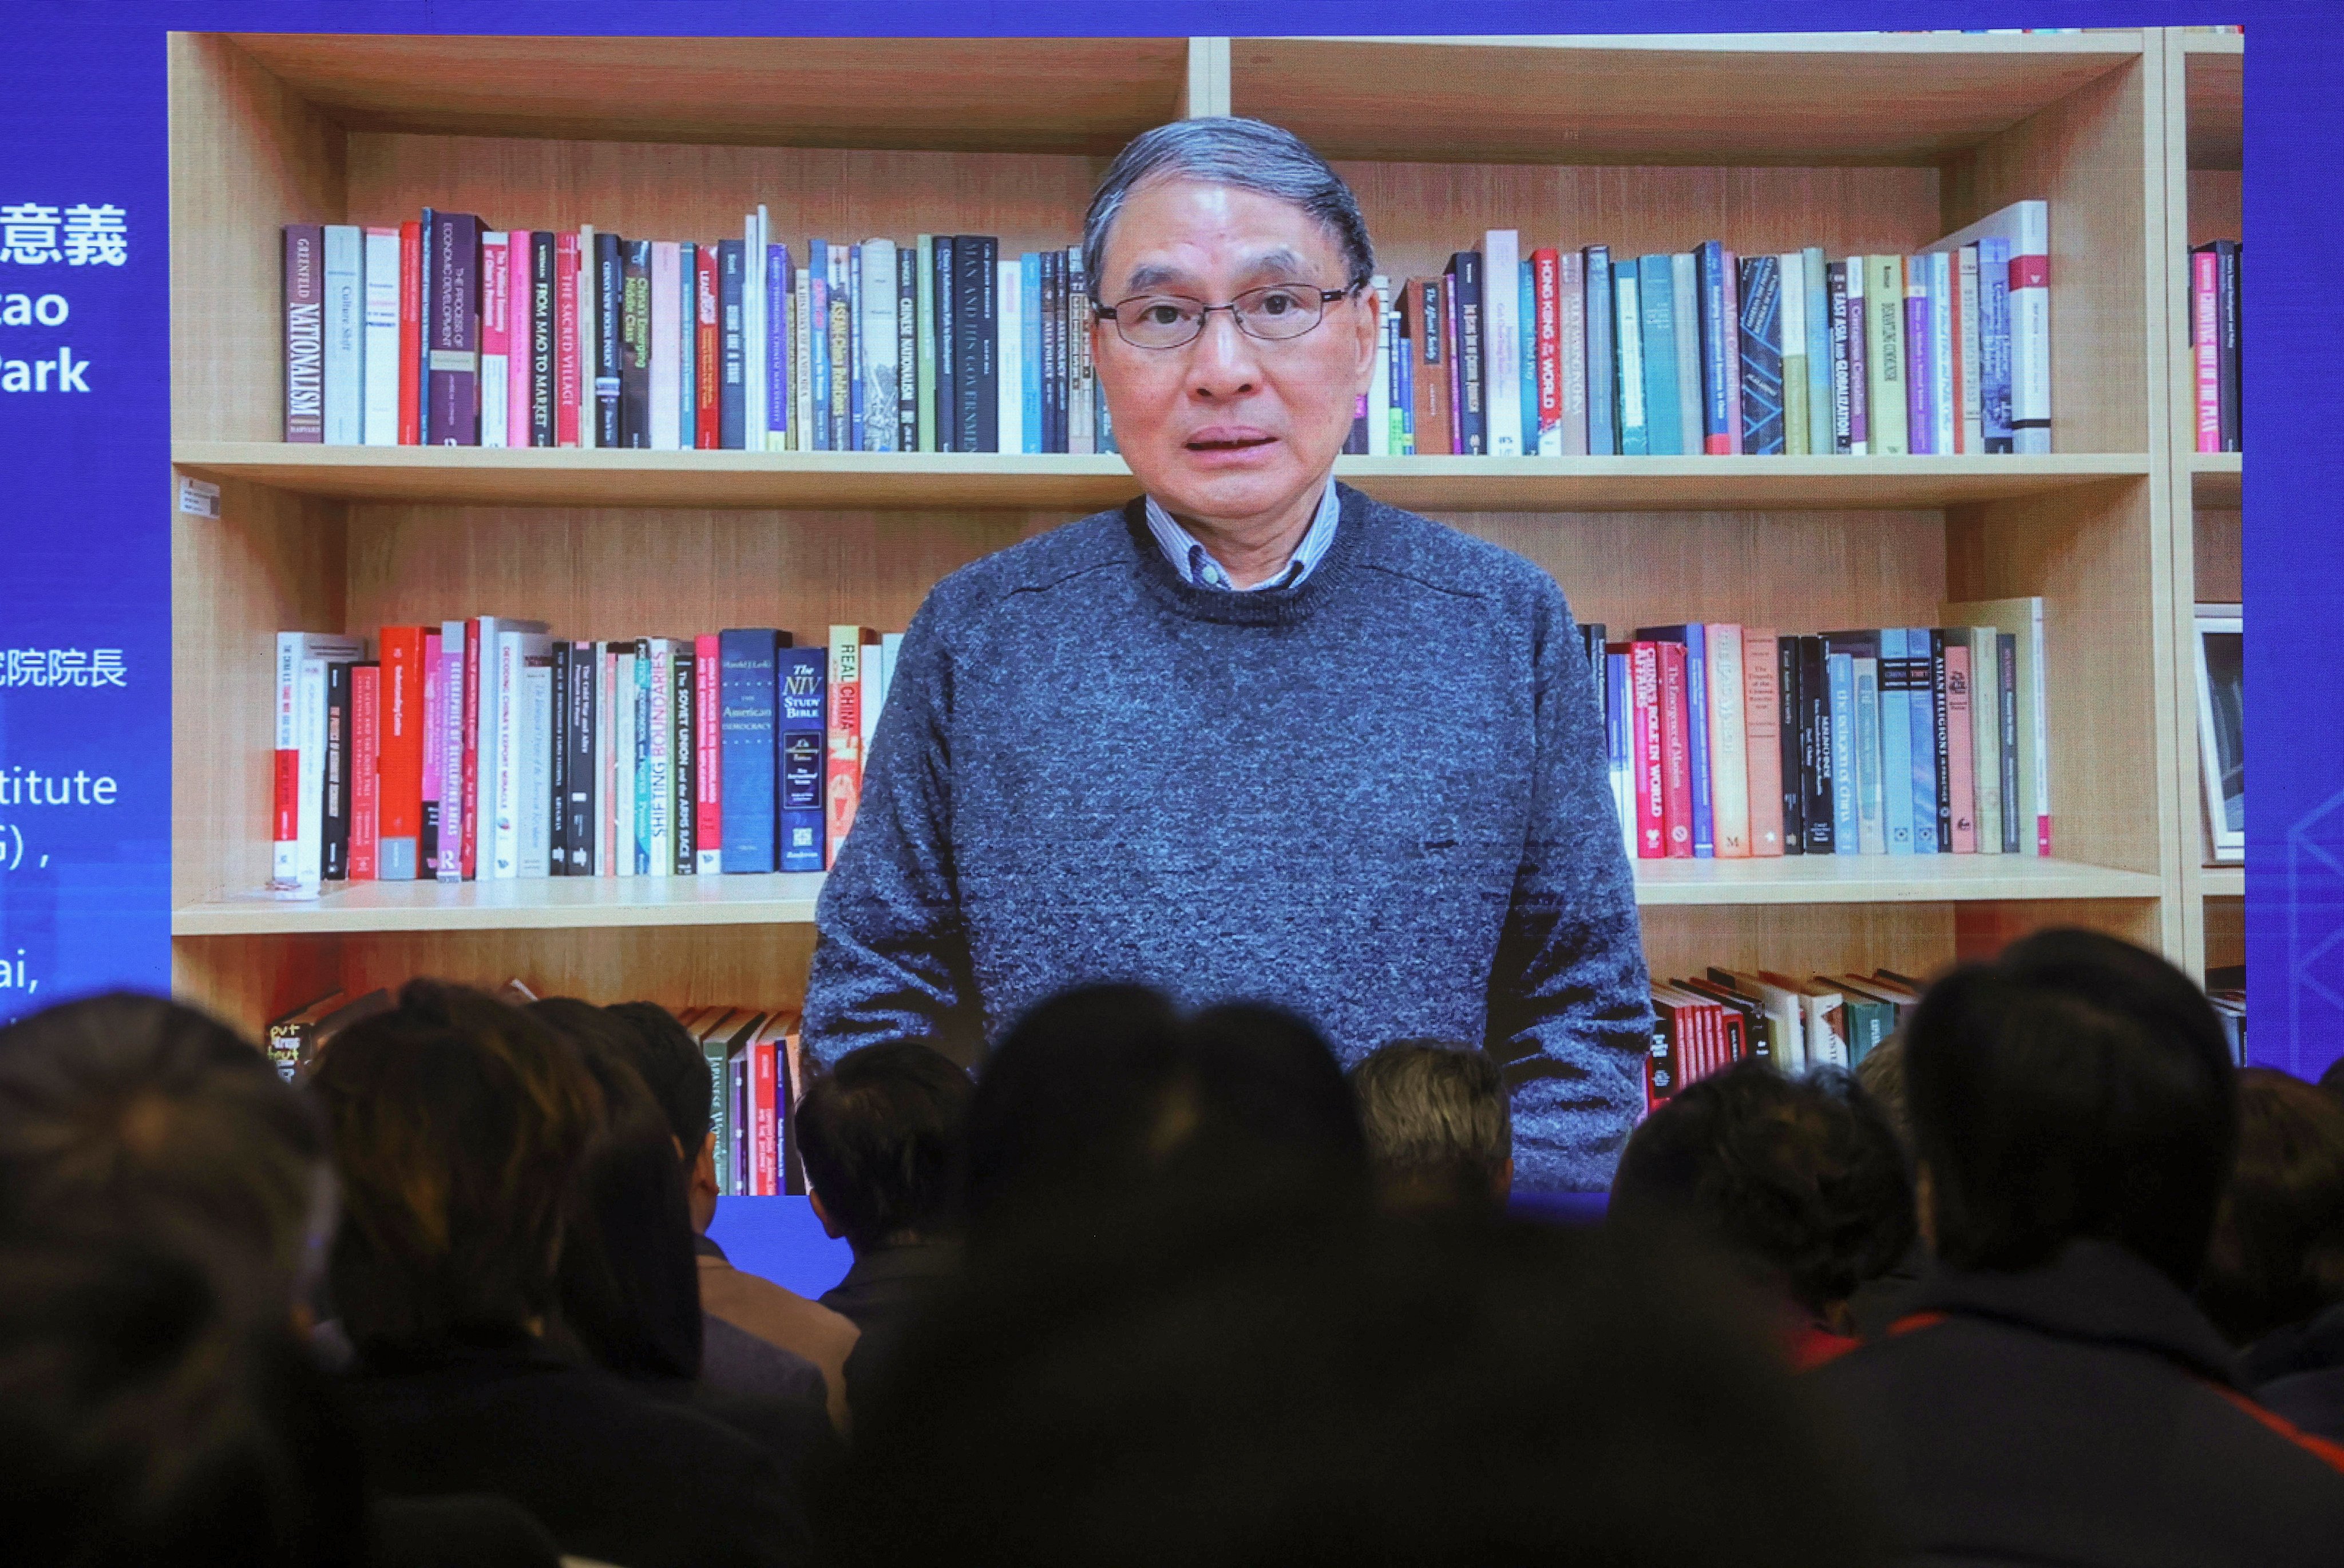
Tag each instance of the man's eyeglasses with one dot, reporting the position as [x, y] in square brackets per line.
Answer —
[1274, 312]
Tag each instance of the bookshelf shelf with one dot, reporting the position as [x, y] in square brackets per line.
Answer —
[917, 480]
[2215, 479]
[1884, 879]
[2222, 881]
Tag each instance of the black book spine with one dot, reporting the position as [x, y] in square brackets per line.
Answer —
[557, 849]
[685, 773]
[907, 348]
[1795, 743]
[427, 297]
[1815, 781]
[1054, 351]
[2013, 820]
[335, 846]
[988, 344]
[610, 286]
[967, 324]
[585, 776]
[1472, 417]
[946, 289]
[1936, 677]
[541, 331]
[1593, 634]
[2226, 314]
[635, 343]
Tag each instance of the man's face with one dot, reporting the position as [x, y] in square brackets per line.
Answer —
[1229, 428]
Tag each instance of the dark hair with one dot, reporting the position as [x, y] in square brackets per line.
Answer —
[1882, 1073]
[146, 1419]
[1269, 1102]
[674, 1068]
[2278, 1252]
[1247, 155]
[880, 1134]
[2074, 1087]
[1438, 1126]
[629, 1278]
[1210, 1385]
[459, 1128]
[2332, 1081]
[147, 1112]
[1801, 1177]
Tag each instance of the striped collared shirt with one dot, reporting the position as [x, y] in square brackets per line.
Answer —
[1196, 564]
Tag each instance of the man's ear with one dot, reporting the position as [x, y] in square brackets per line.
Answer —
[1371, 334]
[829, 1226]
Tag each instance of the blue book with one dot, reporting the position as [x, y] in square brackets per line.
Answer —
[1717, 389]
[1602, 397]
[1762, 355]
[1839, 676]
[1528, 362]
[855, 387]
[818, 342]
[1859, 786]
[1619, 712]
[1402, 368]
[779, 297]
[1818, 351]
[1895, 742]
[1694, 637]
[805, 676]
[1663, 433]
[744, 698]
[1994, 343]
[1921, 681]
[1628, 349]
[1029, 277]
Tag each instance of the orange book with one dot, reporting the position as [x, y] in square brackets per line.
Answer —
[1761, 716]
[399, 772]
[1419, 305]
[843, 782]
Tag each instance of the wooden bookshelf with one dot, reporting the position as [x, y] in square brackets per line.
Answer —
[1855, 142]
[2215, 479]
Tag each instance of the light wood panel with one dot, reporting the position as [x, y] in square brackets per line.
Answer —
[1681, 940]
[951, 92]
[2217, 204]
[2216, 67]
[516, 903]
[2219, 572]
[1779, 98]
[2215, 479]
[2226, 929]
[1981, 930]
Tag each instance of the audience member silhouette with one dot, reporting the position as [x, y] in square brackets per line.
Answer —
[1798, 1181]
[1438, 1126]
[2055, 1396]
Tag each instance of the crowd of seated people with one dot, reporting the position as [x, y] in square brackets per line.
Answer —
[2045, 1282]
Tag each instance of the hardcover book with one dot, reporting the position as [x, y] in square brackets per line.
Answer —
[1761, 355]
[305, 332]
[804, 722]
[453, 412]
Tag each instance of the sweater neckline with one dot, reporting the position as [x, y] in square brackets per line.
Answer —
[1256, 607]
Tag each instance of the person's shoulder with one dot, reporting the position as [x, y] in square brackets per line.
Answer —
[1435, 555]
[1069, 553]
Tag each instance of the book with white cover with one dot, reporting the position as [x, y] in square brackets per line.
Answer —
[875, 328]
[1502, 341]
[345, 336]
[380, 418]
[666, 345]
[2026, 226]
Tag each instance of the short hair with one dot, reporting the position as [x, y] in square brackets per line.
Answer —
[2278, 1252]
[2331, 1080]
[1801, 1177]
[153, 1113]
[147, 1417]
[1882, 1073]
[459, 1125]
[2074, 1087]
[880, 1135]
[674, 1068]
[1216, 1383]
[1436, 1117]
[1243, 154]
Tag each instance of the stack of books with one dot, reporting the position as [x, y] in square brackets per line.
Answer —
[441, 331]
[2214, 318]
[1704, 1026]
[1729, 741]
[490, 749]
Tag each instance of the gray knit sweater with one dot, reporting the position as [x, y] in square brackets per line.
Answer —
[1377, 797]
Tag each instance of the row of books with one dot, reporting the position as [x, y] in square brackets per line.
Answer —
[2214, 318]
[442, 332]
[1730, 741]
[757, 1076]
[1567, 353]
[1705, 1024]
[488, 749]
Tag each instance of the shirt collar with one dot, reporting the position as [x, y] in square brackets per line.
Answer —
[1197, 566]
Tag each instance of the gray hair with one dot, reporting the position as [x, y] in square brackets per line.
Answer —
[1434, 1113]
[1247, 155]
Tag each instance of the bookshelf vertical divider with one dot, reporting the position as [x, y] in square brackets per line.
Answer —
[1857, 142]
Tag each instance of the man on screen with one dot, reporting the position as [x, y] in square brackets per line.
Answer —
[1252, 734]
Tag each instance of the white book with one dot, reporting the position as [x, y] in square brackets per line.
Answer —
[345, 336]
[494, 380]
[660, 783]
[802, 353]
[1501, 341]
[1684, 283]
[1082, 419]
[752, 332]
[623, 727]
[1380, 382]
[1948, 415]
[1729, 751]
[890, 644]
[294, 649]
[588, 367]
[452, 750]
[493, 782]
[1009, 356]
[1787, 1008]
[1822, 442]
[380, 418]
[534, 812]
[310, 708]
[1966, 287]
[2024, 619]
[1792, 267]
[1826, 1015]
[606, 759]
[875, 328]
[1859, 446]
[666, 346]
[874, 696]
[2026, 225]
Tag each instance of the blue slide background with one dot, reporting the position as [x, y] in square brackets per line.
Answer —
[85, 541]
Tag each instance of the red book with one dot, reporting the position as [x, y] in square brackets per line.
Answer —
[708, 750]
[435, 757]
[366, 749]
[410, 334]
[852, 647]
[566, 388]
[471, 775]
[1762, 717]
[1676, 752]
[1644, 692]
[764, 1148]
[707, 361]
[401, 750]
[1546, 290]
[1961, 774]
[2206, 344]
